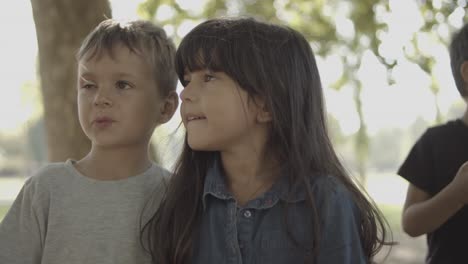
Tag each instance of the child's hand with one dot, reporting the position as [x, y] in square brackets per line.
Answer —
[460, 184]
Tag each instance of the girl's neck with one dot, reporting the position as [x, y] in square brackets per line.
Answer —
[249, 174]
[114, 163]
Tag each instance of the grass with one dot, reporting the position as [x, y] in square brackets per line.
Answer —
[3, 211]
[392, 214]
[9, 188]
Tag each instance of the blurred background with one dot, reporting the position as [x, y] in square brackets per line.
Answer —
[384, 67]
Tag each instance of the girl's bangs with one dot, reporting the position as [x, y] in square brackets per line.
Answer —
[199, 52]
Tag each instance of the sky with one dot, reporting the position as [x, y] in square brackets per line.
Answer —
[384, 106]
[17, 62]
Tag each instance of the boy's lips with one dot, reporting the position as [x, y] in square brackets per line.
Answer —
[103, 120]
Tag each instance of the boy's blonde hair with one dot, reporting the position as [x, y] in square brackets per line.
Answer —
[141, 37]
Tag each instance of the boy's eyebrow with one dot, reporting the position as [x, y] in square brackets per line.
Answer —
[125, 74]
[89, 75]
[84, 74]
[85, 77]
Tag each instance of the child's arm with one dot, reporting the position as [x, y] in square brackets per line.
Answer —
[423, 214]
[20, 235]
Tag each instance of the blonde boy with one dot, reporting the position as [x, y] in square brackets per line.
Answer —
[92, 210]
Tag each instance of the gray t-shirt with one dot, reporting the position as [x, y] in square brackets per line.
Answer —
[61, 216]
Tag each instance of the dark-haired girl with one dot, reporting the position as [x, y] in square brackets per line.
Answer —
[258, 180]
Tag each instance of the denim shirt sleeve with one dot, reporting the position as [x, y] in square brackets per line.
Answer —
[340, 242]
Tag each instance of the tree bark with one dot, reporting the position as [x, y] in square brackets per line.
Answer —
[61, 25]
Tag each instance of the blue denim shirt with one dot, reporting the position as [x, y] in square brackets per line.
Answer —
[256, 233]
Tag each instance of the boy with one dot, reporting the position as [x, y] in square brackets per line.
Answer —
[92, 210]
[437, 170]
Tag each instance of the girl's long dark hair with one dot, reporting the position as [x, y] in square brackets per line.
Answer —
[277, 64]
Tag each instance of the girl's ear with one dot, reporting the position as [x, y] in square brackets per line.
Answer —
[263, 113]
[168, 107]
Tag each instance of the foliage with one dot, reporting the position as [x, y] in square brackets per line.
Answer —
[348, 29]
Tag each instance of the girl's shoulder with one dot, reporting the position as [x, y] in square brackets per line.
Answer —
[322, 187]
[331, 193]
[328, 185]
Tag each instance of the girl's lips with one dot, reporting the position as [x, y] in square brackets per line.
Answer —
[191, 118]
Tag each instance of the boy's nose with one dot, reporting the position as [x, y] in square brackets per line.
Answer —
[102, 99]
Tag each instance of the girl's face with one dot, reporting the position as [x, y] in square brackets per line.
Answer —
[217, 113]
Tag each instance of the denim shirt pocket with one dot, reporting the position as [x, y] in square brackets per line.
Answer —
[276, 247]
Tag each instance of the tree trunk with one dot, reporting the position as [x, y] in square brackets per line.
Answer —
[61, 25]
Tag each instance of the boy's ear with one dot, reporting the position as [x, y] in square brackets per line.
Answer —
[168, 107]
[464, 72]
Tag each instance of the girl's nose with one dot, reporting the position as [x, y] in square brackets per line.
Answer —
[187, 93]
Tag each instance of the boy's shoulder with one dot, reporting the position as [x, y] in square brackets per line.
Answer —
[45, 179]
[49, 172]
[447, 127]
[160, 175]
[445, 133]
[157, 189]
[161, 171]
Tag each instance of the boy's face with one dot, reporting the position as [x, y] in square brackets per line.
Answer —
[118, 101]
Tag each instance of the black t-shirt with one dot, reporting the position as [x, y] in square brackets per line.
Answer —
[431, 165]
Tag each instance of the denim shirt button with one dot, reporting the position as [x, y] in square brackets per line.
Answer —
[247, 214]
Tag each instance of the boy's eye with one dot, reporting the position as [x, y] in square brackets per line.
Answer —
[88, 86]
[122, 85]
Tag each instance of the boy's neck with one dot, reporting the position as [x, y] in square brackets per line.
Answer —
[465, 116]
[114, 164]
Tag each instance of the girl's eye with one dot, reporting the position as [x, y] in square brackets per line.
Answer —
[123, 85]
[208, 77]
[185, 81]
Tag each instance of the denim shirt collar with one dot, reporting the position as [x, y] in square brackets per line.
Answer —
[215, 185]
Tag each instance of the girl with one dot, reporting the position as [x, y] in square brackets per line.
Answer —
[258, 180]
